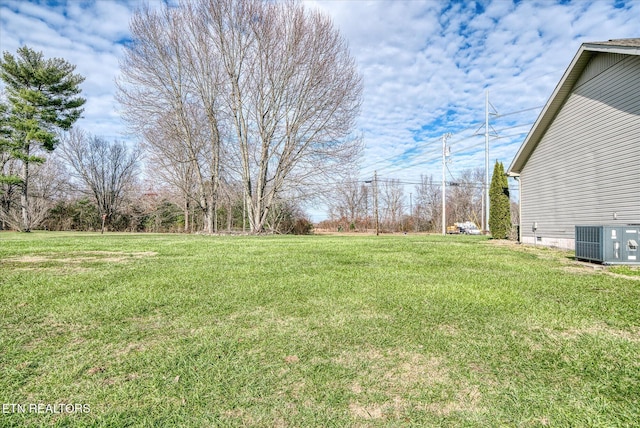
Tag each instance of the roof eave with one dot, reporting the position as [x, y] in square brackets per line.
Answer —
[551, 108]
[621, 46]
[562, 91]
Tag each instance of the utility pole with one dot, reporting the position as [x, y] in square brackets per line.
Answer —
[445, 154]
[411, 208]
[366, 209]
[485, 226]
[485, 185]
[374, 184]
[375, 200]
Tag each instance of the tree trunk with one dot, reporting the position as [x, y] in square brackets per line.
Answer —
[213, 207]
[229, 215]
[208, 219]
[24, 193]
[186, 216]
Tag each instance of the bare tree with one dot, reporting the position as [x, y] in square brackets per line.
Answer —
[464, 200]
[9, 190]
[170, 164]
[392, 202]
[464, 197]
[47, 185]
[168, 91]
[428, 203]
[105, 170]
[348, 202]
[305, 95]
[268, 88]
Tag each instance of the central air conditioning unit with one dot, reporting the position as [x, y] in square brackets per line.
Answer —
[608, 244]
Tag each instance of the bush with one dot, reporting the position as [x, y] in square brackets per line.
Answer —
[302, 226]
[500, 207]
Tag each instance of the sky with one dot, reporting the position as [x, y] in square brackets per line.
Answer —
[426, 66]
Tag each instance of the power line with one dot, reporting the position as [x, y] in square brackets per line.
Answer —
[398, 155]
[435, 156]
[428, 144]
[411, 157]
[519, 111]
[512, 135]
[433, 184]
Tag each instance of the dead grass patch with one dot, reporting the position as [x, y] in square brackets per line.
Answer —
[291, 359]
[620, 275]
[81, 257]
[449, 330]
[95, 370]
[151, 322]
[393, 375]
[131, 347]
[399, 370]
[415, 369]
[371, 411]
[131, 377]
[579, 269]
[632, 335]
[467, 400]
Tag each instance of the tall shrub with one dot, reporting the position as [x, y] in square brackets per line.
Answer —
[500, 205]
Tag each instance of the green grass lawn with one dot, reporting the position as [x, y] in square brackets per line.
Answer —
[314, 331]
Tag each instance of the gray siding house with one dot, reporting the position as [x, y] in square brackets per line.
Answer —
[580, 163]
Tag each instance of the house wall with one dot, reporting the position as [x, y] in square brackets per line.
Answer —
[586, 168]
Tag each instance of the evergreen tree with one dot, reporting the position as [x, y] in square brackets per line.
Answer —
[500, 211]
[41, 99]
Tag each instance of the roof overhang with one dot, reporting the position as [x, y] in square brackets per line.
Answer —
[562, 91]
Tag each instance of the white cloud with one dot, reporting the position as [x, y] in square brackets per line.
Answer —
[426, 65]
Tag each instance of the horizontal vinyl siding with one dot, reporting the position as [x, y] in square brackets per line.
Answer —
[587, 165]
[594, 68]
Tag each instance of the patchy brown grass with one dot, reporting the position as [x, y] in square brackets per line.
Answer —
[75, 262]
[371, 411]
[131, 347]
[291, 359]
[395, 376]
[94, 370]
[83, 256]
[632, 335]
[620, 275]
[567, 263]
[467, 399]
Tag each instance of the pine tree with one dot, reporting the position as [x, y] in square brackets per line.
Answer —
[500, 205]
[42, 98]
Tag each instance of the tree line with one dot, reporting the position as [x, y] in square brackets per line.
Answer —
[235, 103]
[91, 184]
[352, 204]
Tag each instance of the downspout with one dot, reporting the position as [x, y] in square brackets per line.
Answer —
[517, 178]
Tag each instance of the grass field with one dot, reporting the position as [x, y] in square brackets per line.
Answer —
[314, 331]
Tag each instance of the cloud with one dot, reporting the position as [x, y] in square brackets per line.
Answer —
[88, 35]
[425, 64]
